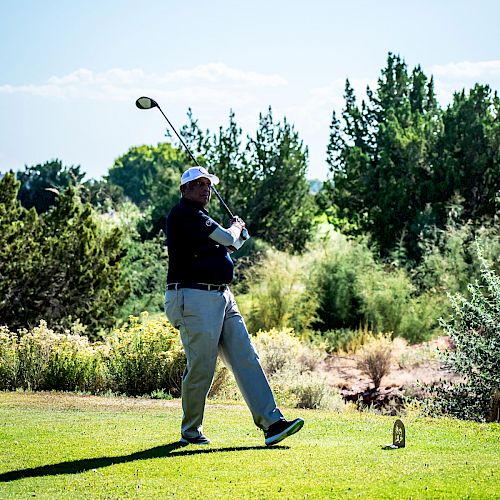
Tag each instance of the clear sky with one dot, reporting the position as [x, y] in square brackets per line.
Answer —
[70, 70]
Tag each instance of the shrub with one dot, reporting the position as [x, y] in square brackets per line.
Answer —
[336, 266]
[41, 359]
[145, 355]
[277, 295]
[59, 266]
[474, 330]
[343, 340]
[353, 288]
[290, 365]
[305, 390]
[375, 358]
[9, 361]
[278, 349]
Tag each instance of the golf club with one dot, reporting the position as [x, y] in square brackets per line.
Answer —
[148, 103]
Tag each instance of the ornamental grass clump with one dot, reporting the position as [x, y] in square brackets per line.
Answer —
[145, 355]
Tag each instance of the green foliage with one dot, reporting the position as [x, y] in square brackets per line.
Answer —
[146, 355]
[469, 159]
[150, 177]
[41, 359]
[336, 267]
[354, 289]
[474, 330]
[280, 206]
[37, 178]
[276, 295]
[342, 340]
[59, 266]
[143, 357]
[397, 160]
[144, 265]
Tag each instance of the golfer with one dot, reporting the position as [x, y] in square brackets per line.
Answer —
[199, 303]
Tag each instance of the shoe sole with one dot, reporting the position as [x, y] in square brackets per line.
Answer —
[185, 441]
[284, 434]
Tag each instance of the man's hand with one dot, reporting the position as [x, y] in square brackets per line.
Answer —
[240, 223]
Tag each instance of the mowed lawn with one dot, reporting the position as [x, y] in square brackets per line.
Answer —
[74, 446]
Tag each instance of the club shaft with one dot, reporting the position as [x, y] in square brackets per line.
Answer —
[226, 208]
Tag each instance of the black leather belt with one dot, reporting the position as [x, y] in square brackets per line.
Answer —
[196, 286]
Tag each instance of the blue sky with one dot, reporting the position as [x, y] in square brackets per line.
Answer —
[70, 71]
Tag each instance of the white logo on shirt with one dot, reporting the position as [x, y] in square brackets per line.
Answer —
[209, 222]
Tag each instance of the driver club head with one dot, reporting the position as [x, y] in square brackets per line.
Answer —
[146, 103]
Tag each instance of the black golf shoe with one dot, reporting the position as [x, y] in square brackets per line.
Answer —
[201, 439]
[282, 429]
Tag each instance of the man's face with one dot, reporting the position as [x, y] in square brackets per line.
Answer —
[198, 191]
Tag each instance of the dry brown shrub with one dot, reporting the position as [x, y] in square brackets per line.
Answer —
[375, 358]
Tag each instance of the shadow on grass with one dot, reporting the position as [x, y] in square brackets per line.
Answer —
[85, 464]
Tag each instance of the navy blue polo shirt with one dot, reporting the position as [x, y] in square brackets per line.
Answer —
[193, 257]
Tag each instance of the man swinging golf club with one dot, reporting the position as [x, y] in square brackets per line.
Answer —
[199, 303]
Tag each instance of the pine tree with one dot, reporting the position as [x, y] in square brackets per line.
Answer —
[59, 267]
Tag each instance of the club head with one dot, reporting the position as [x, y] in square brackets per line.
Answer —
[146, 103]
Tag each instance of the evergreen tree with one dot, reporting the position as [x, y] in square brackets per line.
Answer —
[59, 267]
[381, 158]
[469, 166]
[280, 207]
[40, 183]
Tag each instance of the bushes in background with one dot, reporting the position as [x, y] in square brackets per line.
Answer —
[143, 356]
[338, 285]
[474, 330]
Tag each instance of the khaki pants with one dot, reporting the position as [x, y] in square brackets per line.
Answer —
[211, 324]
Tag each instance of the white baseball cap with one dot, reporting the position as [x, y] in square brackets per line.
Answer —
[193, 173]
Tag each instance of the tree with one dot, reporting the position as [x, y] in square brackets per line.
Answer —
[59, 266]
[280, 208]
[150, 177]
[381, 157]
[397, 162]
[40, 183]
[469, 166]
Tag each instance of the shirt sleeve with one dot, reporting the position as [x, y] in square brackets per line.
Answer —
[226, 237]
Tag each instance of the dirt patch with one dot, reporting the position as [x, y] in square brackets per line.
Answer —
[411, 367]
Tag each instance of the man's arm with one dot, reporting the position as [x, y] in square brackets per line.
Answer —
[229, 237]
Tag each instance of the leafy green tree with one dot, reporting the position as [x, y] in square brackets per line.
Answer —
[40, 183]
[150, 177]
[58, 267]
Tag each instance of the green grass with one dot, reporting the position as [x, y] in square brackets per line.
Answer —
[70, 446]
